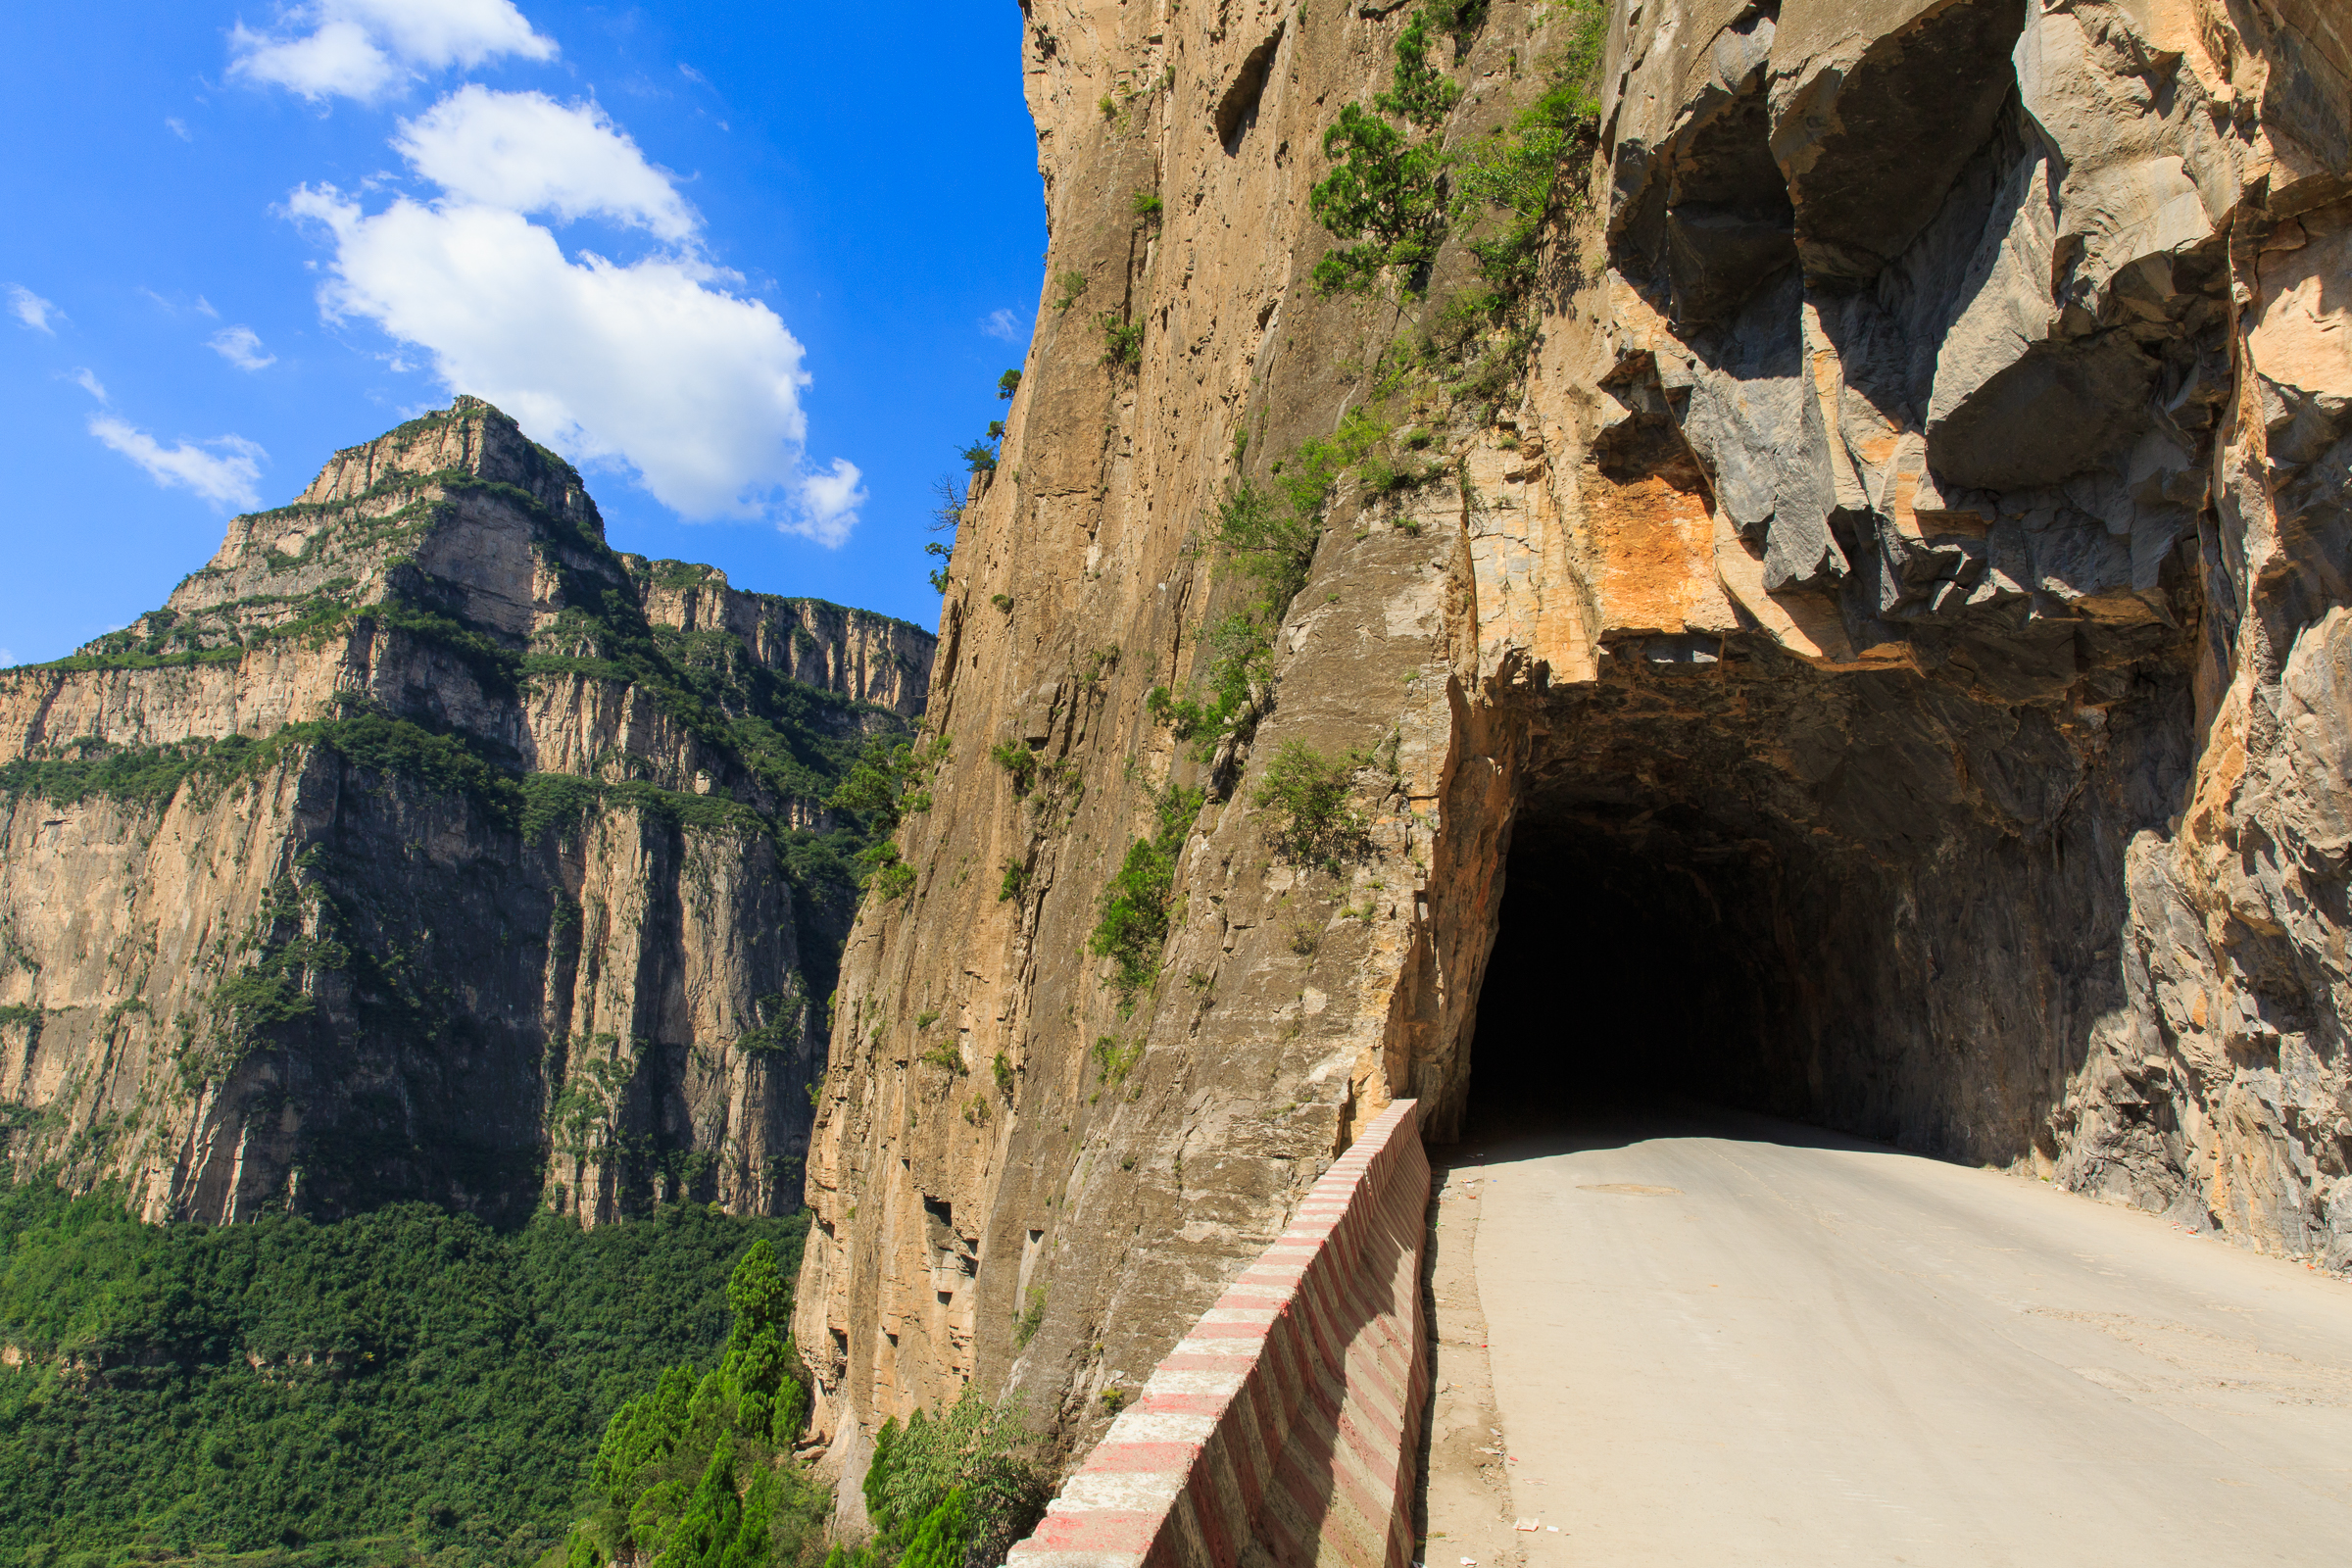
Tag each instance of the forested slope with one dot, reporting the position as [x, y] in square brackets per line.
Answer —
[404, 1386]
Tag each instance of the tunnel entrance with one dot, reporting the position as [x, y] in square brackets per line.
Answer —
[1857, 902]
[1637, 963]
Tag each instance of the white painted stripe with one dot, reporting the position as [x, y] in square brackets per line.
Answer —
[1263, 1290]
[1187, 1380]
[1160, 1426]
[1136, 1491]
[1233, 1349]
[1238, 1314]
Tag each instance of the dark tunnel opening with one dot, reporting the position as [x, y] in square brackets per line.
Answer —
[1635, 965]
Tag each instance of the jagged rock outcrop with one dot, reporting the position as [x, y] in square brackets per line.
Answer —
[1886, 633]
[424, 847]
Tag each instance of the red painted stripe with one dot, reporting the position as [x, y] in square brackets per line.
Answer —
[1127, 1529]
[1208, 1405]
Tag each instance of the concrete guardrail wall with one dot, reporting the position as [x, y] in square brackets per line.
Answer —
[1285, 1428]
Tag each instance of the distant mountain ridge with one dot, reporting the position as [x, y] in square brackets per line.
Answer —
[423, 846]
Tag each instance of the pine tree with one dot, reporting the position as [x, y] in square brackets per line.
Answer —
[714, 1515]
[941, 1538]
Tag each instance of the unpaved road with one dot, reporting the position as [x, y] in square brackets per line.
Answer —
[1718, 1340]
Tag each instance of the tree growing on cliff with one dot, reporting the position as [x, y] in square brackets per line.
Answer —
[1388, 193]
[699, 1471]
[1132, 915]
[953, 1488]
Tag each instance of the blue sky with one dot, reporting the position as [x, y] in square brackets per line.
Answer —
[757, 266]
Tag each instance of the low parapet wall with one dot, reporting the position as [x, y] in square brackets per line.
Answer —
[1285, 1427]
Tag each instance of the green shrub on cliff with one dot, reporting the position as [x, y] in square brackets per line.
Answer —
[1122, 340]
[958, 1486]
[1306, 795]
[1131, 914]
[1270, 533]
[1395, 196]
[1514, 175]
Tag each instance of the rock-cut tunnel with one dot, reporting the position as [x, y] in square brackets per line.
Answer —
[1632, 968]
[1851, 901]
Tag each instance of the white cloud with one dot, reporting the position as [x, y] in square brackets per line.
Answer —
[827, 503]
[87, 380]
[178, 127]
[202, 307]
[692, 74]
[364, 49]
[241, 347]
[645, 364]
[30, 309]
[525, 151]
[1002, 325]
[655, 364]
[225, 477]
[8, 658]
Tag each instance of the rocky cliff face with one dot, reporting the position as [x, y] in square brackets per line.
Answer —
[424, 847]
[1866, 576]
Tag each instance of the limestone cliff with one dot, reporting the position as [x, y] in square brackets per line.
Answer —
[1870, 584]
[424, 847]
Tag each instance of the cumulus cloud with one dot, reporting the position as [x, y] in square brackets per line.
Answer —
[8, 658]
[223, 471]
[87, 380]
[645, 364]
[31, 310]
[525, 151]
[366, 49]
[827, 503]
[241, 347]
[657, 364]
[1002, 325]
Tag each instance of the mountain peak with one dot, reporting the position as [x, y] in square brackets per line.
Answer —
[470, 436]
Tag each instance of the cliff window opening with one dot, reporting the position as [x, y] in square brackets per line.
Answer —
[1237, 109]
[1639, 959]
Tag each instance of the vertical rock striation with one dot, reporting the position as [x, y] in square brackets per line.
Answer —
[1879, 605]
[424, 847]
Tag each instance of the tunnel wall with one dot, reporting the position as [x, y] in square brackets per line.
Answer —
[1913, 906]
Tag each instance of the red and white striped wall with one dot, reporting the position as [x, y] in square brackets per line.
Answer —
[1286, 1427]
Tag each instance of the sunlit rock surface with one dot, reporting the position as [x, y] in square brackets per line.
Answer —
[1899, 620]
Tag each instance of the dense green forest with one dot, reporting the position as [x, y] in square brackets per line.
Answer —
[404, 1386]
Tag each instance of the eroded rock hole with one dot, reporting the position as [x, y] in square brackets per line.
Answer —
[1236, 106]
